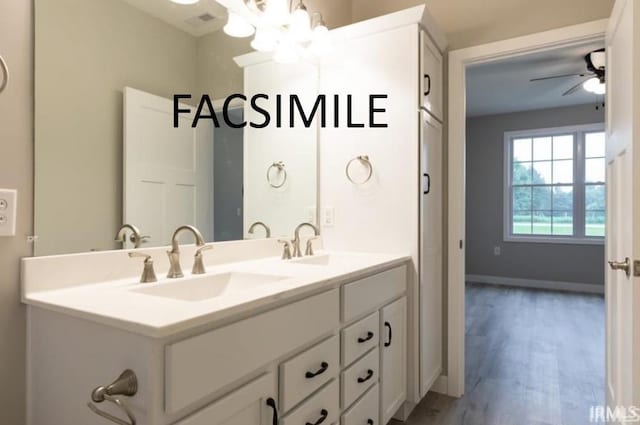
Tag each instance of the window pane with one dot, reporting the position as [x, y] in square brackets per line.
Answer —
[562, 172]
[563, 199]
[594, 170]
[542, 222]
[542, 149]
[522, 150]
[595, 223]
[563, 147]
[521, 223]
[595, 145]
[522, 199]
[595, 197]
[542, 198]
[563, 223]
[542, 172]
[521, 173]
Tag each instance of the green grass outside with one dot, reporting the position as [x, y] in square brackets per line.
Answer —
[560, 229]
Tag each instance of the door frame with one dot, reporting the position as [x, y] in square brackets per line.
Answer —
[459, 60]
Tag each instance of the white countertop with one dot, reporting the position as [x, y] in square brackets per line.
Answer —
[116, 302]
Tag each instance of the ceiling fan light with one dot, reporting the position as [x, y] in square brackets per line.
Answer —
[593, 85]
[285, 54]
[300, 24]
[320, 40]
[276, 12]
[237, 26]
[265, 40]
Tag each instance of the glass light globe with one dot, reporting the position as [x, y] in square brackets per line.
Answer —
[285, 54]
[265, 40]
[593, 85]
[277, 12]
[300, 24]
[237, 26]
[320, 40]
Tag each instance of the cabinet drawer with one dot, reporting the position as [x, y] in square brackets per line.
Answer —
[367, 294]
[365, 411]
[359, 377]
[198, 366]
[305, 373]
[359, 338]
[322, 408]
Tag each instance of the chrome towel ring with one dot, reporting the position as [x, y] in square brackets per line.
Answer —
[5, 74]
[364, 159]
[280, 167]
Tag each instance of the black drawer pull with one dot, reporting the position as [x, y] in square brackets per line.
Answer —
[323, 416]
[428, 189]
[365, 339]
[323, 368]
[428, 78]
[272, 404]
[388, 326]
[366, 378]
[369, 421]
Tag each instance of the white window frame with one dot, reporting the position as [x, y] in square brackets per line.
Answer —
[579, 237]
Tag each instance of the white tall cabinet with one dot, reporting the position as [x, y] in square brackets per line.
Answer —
[400, 56]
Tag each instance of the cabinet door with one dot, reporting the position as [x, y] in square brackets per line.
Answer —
[252, 404]
[431, 255]
[432, 81]
[394, 358]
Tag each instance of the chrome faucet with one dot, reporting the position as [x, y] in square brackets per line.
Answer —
[296, 241]
[175, 270]
[260, 223]
[135, 238]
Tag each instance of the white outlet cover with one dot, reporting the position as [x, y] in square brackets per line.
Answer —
[8, 211]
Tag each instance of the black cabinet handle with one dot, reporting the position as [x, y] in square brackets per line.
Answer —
[388, 326]
[365, 339]
[323, 368]
[366, 378]
[323, 416]
[272, 404]
[369, 421]
[428, 78]
[426, 192]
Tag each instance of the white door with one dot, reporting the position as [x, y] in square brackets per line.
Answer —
[168, 172]
[623, 206]
[394, 358]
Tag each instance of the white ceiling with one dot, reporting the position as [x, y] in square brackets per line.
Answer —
[503, 86]
[185, 17]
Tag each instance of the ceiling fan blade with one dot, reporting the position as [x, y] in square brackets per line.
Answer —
[574, 88]
[559, 76]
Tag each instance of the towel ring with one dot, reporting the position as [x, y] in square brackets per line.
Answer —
[5, 74]
[365, 160]
[279, 165]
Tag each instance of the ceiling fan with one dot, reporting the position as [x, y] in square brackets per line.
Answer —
[595, 74]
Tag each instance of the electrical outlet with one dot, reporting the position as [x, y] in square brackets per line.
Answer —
[496, 250]
[328, 216]
[8, 201]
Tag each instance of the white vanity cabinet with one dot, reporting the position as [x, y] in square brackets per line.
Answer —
[394, 358]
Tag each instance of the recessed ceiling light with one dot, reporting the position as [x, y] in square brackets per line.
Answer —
[184, 1]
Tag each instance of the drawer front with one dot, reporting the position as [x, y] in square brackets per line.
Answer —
[365, 411]
[198, 366]
[323, 408]
[360, 377]
[372, 292]
[359, 338]
[305, 373]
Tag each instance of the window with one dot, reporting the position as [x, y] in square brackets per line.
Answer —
[555, 185]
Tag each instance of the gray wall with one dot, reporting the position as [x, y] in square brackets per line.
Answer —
[16, 172]
[553, 262]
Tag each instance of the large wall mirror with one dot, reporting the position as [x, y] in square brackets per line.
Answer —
[107, 152]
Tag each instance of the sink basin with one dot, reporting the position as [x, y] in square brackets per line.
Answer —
[207, 287]
[338, 260]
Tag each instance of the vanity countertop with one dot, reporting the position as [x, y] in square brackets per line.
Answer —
[122, 303]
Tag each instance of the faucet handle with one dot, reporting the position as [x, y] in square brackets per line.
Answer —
[286, 253]
[148, 273]
[309, 249]
[198, 263]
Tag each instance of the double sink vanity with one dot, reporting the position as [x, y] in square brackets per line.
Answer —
[255, 340]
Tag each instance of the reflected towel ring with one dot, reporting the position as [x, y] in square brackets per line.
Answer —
[5, 74]
[279, 165]
[366, 161]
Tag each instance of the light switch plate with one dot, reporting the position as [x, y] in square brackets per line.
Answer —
[8, 201]
[328, 216]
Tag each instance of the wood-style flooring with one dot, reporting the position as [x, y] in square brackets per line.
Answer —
[532, 358]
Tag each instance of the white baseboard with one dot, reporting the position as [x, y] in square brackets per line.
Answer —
[441, 385]
[589, 288]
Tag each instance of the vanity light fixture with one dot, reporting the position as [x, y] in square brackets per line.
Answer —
[284, 27]
[595, 86]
